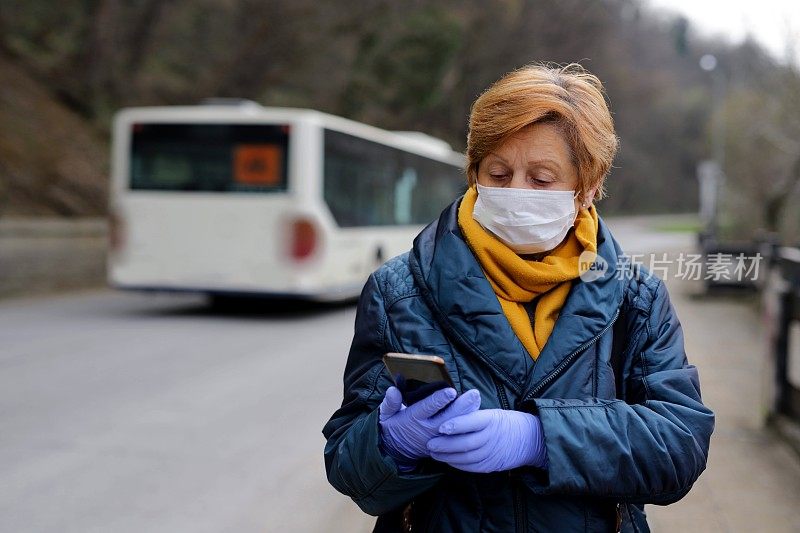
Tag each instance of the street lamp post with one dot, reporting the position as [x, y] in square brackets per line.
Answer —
[712, 173]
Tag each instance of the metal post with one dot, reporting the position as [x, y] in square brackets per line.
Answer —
[715, 186]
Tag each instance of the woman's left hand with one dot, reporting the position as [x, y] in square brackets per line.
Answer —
[490, 440]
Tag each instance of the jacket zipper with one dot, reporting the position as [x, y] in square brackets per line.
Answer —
[501, 392]
[568, 359]
[504, 403]
[515, 495]
[518, 507]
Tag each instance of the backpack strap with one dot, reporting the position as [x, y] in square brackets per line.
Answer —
[619, 345]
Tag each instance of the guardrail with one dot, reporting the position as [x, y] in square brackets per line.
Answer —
[782, 318]
[729, 260]
[39, 255]
[778, 281]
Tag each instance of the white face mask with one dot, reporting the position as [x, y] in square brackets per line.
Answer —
[527, 220]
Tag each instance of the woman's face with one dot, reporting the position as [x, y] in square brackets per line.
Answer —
[536, 157]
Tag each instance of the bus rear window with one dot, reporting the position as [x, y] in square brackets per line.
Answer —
[209, 157]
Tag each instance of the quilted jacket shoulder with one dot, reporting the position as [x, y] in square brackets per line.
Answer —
[641, 288]
[395, 280]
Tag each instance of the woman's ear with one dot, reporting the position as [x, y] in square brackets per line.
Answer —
[588, 197]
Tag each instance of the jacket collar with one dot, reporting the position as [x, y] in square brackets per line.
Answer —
[454, 286]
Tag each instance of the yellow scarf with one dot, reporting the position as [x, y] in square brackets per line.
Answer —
[516, 280]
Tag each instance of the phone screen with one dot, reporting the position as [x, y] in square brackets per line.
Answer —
[417, 376]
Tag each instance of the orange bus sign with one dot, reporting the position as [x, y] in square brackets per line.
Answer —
[257, 164]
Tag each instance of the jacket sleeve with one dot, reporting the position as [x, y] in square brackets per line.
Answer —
[648, 449]
[354, 462]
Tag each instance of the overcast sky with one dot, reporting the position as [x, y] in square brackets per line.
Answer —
[771, 22]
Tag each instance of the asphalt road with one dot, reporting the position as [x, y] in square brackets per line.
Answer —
[123, 412]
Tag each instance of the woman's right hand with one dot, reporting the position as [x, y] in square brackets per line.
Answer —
[405, 431]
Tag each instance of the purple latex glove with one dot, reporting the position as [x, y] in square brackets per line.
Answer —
[491, 440]
[405, 431]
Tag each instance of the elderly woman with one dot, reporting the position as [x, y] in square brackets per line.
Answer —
[574, 404]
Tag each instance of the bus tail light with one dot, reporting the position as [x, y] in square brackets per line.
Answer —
[304, 238]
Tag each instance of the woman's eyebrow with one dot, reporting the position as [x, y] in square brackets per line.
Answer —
[544, 162]
[494, 155]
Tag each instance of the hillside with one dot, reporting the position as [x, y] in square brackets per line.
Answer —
[51, 161]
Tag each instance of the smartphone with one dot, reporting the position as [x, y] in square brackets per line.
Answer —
[417, 376]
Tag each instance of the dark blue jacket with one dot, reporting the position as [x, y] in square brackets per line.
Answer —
[610, 451]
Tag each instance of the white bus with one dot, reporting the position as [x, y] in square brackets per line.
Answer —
[235, 200]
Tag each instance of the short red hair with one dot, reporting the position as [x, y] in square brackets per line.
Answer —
[568, 96]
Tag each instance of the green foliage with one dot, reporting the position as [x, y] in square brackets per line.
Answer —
[762, 164]
[401, 71]
[420, 64]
